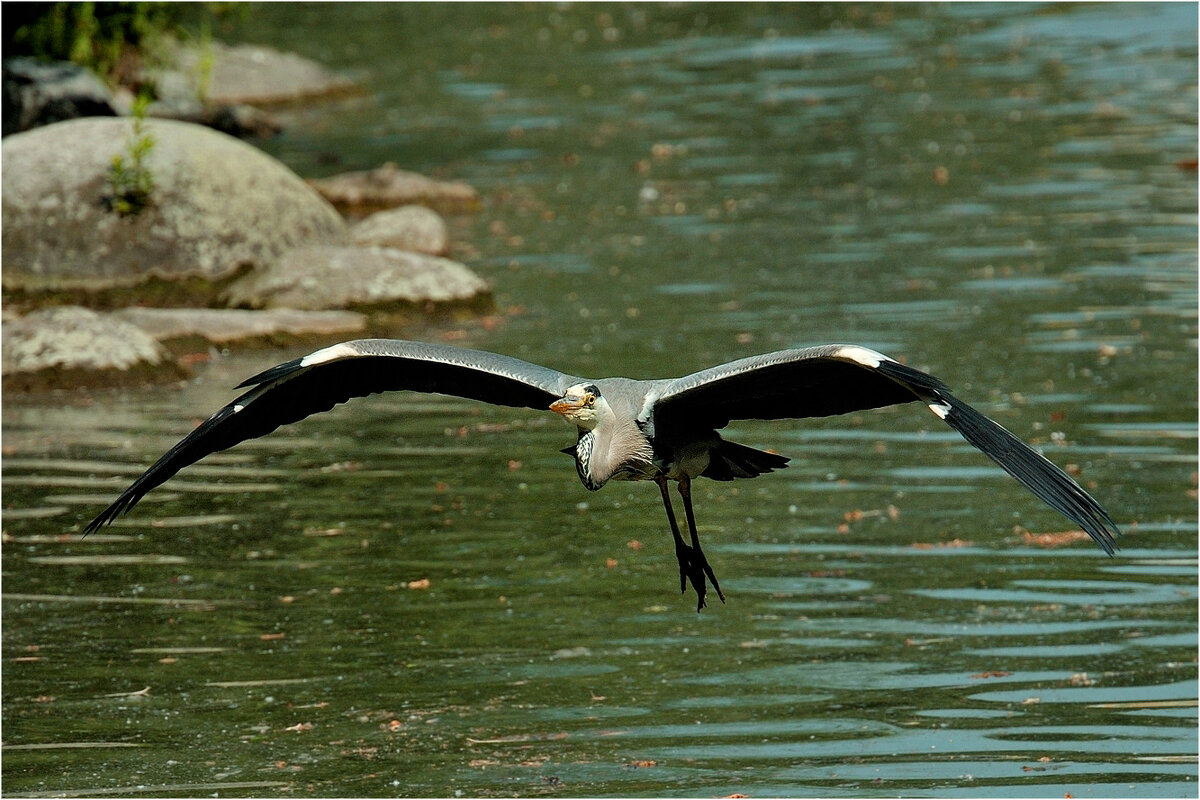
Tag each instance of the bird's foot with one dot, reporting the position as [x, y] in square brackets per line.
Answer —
[694, 568]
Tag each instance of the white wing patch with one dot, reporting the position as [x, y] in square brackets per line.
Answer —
[861, 355]
[941, 409]
[331, 353]
[647, 409]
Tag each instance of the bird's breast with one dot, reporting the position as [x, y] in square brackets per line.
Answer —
[606, 454]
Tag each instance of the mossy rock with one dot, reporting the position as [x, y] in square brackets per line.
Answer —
[216, 206]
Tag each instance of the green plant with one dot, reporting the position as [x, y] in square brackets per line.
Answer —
[108, 38]
[129, 179]
[113, 39]
[204, 67]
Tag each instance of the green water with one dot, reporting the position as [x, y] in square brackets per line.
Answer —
[999, 194]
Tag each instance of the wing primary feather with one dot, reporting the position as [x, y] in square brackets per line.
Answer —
[1033, 470]
[274, 373]
[190, 449]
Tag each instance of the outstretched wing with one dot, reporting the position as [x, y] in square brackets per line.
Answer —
[838, 379]
[292, 391]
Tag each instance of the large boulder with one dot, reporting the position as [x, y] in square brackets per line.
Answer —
[357, 277]
[68, 345]
[217, 205]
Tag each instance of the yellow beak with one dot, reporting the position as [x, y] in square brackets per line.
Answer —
[565, 405]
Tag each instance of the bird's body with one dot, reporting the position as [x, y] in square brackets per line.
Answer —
[662, 430]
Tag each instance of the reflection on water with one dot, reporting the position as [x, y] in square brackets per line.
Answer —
[414, 596]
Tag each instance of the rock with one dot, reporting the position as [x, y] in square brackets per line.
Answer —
[70, 345]
[217, 205]
[343, 277]
[225, 325]
[413, 228]
[389, 187]
[236, 74]
[38, 93]
[72, 336]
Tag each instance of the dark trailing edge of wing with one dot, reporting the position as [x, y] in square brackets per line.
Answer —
[292, 391]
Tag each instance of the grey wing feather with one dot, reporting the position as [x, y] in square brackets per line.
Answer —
[837, 379]
[297, 389]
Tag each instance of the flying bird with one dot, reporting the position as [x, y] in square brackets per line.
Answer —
[633, 430]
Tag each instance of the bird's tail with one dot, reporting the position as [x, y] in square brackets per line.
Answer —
[732, 460]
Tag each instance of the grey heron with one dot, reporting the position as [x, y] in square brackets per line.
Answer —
[657, 430]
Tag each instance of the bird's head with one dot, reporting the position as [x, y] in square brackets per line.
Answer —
[582, 405]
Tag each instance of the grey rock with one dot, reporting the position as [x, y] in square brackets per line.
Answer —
[225, 325]
[413, 228]
[234, 74]
[389, 186]
[38, 93]
[343, 277]
[71, 337]
[217, 205]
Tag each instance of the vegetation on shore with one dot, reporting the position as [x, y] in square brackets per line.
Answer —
[113, 39]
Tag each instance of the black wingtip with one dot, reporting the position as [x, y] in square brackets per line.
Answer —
[1031, 469]
[106, 517]
[1035, 472]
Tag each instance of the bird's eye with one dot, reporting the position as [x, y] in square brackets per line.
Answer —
[589, 400]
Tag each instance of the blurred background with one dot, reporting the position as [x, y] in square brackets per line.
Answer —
[414, 596]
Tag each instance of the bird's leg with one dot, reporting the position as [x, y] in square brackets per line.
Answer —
[698, 559]
[682, 551]
[693, 566]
